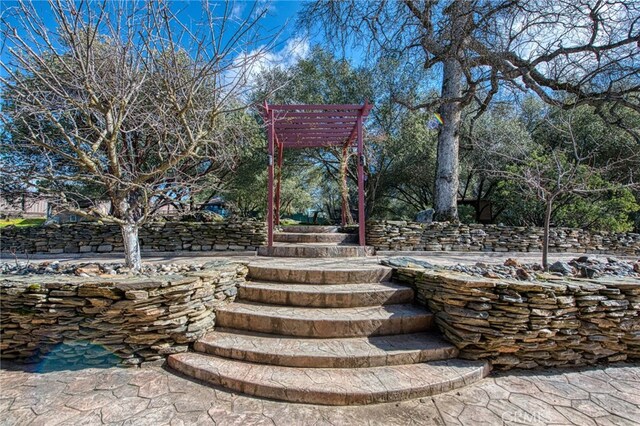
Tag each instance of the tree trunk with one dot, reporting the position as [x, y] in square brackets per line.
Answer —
[545, 237]
[446, 188]
[133, 259]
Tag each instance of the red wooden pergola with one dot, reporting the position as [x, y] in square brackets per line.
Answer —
[313, 126]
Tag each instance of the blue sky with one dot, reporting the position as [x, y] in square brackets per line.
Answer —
[281, 16]
[292, 42]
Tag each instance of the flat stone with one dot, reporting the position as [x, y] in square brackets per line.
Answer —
[326, 353]
[318, 273]
[326, 296]
[318, 322]
[313, 229]
[91, 401]
[315, 237]
[123, 409]
[154, 387]
[315, 251]
[616, 406]
[330, 386]
[152, 416]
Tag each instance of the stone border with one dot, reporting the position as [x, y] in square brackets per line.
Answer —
[532, 324]
[413, 236]
[121, 320]
[92, 237]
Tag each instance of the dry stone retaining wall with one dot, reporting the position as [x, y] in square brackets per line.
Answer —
[444, 236]
[87, 237]
[529, 324]
[99, 321]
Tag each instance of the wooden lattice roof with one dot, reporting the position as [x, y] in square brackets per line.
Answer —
[313, 126]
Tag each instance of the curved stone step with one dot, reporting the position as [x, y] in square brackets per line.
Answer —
[323, 323]
[315, 250]
[353, 352]
[318, 237]
[318, 273]
[325, 295]
[309, 229]
[330, 386]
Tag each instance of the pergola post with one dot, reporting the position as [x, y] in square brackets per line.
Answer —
[343, 184]
[270, 137]
[278, 182]
[361, 216]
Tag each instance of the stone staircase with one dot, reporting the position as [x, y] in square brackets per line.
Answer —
[314, 241]
[341, 334]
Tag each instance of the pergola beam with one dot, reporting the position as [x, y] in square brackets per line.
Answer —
[311, 120]
[321, 107]
[321, 132]
[311, 115]
[308, 126]
[319, 144]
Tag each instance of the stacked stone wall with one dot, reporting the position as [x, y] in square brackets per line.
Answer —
[412, 236]
[121, 320]
[532, 324]
[88, 237]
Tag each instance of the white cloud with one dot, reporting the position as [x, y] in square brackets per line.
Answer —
[296, 48]
[248, 65]
[237, 11]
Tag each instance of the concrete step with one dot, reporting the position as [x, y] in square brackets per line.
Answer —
[325, 296]
[324, 272]
[313, 229]
[314, 250]
[353, 352]
[330, 386]
[327, 322]
[320, 237]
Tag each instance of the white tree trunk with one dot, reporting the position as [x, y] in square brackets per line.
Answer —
[446, 185]
[133, 259]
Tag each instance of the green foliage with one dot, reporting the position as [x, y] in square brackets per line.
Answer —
[612, 212]
[21, 222]
[602, 205]
[466, 214]
[407, 167]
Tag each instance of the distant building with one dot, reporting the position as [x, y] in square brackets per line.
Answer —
[28, 206]
[25, 206]
[217, 205]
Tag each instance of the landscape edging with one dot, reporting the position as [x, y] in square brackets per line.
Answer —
[522, 324]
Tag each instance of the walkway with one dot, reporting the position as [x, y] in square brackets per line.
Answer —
[153, 396]
[437, 257]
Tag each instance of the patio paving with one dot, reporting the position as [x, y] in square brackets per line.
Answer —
[443, 258]
[606, 395]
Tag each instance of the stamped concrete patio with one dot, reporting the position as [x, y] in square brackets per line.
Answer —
[443, 258]
[153, 396]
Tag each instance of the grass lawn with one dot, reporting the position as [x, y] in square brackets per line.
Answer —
[21, 222]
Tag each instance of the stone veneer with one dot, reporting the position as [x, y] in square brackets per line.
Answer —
[86, 237]
[105, 320]
[444, 236]
[529, 324]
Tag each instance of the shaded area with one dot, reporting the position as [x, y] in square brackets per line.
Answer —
[76, 355]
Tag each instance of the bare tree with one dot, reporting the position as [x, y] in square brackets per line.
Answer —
[567, 52]
[123, 101]
[569, 167]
